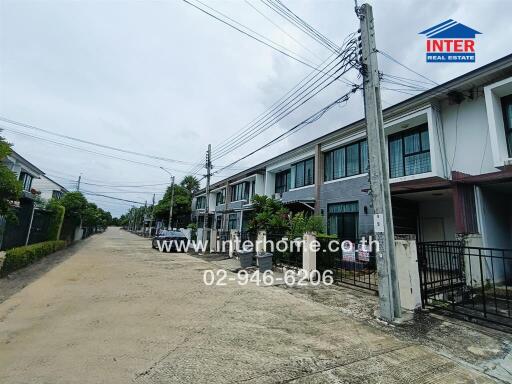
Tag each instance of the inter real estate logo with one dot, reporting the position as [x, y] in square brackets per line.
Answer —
[450, 42]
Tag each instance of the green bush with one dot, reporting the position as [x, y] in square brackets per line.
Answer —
[20, 257]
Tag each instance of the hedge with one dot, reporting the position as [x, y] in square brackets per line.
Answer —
[16, 258]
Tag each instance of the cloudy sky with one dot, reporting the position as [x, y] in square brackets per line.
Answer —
[164, 79]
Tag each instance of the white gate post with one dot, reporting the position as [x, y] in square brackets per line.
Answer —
[309, 253]
[408, 274]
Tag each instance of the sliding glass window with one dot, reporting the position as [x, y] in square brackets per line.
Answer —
[409, 152]
[507, 119]
[304, 173]
[346, 161]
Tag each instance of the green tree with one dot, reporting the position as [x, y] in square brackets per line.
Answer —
[181, 206]
[190, 183]
[269, 215]
[10, 187]
[75, 204]
[300, 224]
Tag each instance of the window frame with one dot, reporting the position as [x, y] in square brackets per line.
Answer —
[222, 194]
[329, 157]
[304, 173]
[245, 192]
[507, 124]
[201, 199]
[402, 135]
[286, 186]
[24, 178]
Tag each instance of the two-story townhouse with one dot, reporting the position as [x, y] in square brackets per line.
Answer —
[25, 172]
[450, 165]
[48, 188]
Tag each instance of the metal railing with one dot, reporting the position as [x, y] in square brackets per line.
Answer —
[287, 252]
[474, 282]
[356, 268]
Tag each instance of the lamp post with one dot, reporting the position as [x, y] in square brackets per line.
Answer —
[172, 197]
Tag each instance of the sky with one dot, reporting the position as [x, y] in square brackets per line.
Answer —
[164, 79]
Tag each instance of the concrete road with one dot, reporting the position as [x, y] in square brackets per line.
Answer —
[117, 312]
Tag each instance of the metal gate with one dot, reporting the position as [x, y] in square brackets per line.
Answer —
[472, 282]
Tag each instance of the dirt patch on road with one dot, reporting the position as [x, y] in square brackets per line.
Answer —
[16, 281]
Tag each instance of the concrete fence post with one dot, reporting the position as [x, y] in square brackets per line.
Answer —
[213, 240]
[261, 242]
[408, 274]
[234, 242]
[309, 253]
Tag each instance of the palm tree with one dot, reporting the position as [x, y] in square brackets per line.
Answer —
[191, 183]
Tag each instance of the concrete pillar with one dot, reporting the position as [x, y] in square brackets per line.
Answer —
[472, 271]
[408, 274]
[234, 242]
[309, 253]
[261, 242]
[319, 176]
[213, 240]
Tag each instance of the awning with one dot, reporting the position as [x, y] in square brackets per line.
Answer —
[309, 203]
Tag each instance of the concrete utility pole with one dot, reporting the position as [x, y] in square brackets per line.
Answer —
[389, 295]
[172, 203]
[208, 175]
[78, 183]
[169, 227]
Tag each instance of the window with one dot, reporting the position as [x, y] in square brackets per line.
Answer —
[26, 181]
[201, 202]
[409, 152]
[304, 173]
[218, 222]
[506, 103]
[283, 181]
[232, 221]
[57, 194]
[220, 197]
[343, 220]
[346, 161]
[240, 192]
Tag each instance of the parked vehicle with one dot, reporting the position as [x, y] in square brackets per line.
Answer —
[176, 239]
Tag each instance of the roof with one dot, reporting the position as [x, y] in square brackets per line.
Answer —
[450, 29]
[25, 162]
[54, 182]
[493, 71]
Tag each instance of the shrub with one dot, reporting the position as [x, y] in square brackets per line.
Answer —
[20, 257]
[57, 219]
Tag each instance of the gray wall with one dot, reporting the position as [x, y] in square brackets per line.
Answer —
[348, 190]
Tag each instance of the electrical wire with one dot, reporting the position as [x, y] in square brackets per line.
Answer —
[312, 118]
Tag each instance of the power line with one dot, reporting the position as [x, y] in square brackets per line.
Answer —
[299, 23]
[113, 198]
[312, 118]
[389, 57]
[85, 150]
[307, 92]
[248, 34]
[24, 125]
[281, 29]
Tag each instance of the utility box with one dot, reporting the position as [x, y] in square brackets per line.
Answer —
[264, 262]
[245, 258]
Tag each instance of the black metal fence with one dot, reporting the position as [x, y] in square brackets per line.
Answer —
[355, 267]
[473, 282]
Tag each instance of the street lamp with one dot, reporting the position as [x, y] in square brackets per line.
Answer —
[172, 197]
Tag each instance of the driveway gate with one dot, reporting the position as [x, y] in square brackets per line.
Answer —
[470, 281]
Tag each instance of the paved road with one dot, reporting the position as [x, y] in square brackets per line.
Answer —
[118, 312]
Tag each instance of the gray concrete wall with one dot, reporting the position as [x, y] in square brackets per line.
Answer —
[348, 190]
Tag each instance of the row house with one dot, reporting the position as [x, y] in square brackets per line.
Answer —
[450, 166]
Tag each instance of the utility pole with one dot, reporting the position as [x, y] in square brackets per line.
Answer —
[172, 203]
[389, 295]
[152, 215]
[78, 183]
[208, 174]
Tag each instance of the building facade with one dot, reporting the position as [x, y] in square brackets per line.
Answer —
[450, 165]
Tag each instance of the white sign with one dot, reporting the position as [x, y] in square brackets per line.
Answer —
[378, 223]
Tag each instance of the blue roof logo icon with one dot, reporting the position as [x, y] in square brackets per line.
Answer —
[450, 29]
